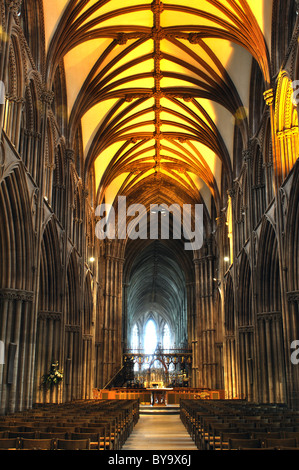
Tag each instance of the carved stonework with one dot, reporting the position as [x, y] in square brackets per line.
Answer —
[87, 337]
[293, 297]
[247, 155]
[49, 316]
[269, 316]
[73, 328]
[246, 329]
[14, 5]
[16, 294]
[157, 7]
[47, 97]
[158, 34]
[122, 39]
[70, 155]
[269, 97]
[195, 38]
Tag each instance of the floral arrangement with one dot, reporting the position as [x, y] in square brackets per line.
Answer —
[54, 377]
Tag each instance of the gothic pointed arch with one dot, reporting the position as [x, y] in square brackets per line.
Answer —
[16, 230]
[269, 317]
[16, 287]
[88, 305]
[33, 25]
[72, 330]
[245, 328]
[50, 320]
[284, 12]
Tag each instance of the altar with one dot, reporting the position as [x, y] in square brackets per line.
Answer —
[158, 396]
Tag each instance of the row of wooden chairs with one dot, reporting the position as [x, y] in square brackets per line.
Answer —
[217, 426]
[44, 444]
[105, 423]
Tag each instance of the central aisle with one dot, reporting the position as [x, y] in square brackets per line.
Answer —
[159, 432]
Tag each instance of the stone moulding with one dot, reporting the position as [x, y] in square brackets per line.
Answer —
[16, 294]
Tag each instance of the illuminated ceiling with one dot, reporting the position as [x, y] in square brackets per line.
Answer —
[158, 88]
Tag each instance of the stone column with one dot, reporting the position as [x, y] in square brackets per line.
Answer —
[197, 341]
[112, 270]
[192, 337]
[13, 320]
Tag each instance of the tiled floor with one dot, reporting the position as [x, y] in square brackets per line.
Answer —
[159, 432]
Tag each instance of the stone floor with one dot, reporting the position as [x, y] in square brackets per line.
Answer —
[159, 432]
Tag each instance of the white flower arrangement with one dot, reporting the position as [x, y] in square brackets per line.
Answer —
[54, 377]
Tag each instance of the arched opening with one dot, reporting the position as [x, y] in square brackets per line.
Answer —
[17, 316]
[245, 329]
[49, 311]
[87, 372]
[150, 337]
[155, 312]
[269, 319]
[72, 341]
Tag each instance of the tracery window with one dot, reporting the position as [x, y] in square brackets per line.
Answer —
[150, 337]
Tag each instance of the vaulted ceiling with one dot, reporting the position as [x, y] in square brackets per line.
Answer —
[157, 284]
[158, 88]
[159, 92]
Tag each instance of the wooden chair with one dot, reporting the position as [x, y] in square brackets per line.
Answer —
[9, 444]
[291, 434]
[25, 434]
[61, 429]
[213, 440]
[236, 444]
[225, 436]
[277, 443]
[102, 431]
[52, 435]
[11, 428]
[36, 444]
[97, 441]
[72, 444]
[267, 435]
[111, 436]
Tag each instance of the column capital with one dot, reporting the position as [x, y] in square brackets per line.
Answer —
[13, 5]
[70, 155]
[47, 96]
[231, 192]
[221, 220]
[247, 155]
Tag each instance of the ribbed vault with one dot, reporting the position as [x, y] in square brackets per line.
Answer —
[157, 284]
[158, 87]
[159, 93]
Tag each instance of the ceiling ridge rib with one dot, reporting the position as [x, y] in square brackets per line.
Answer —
[157, 9]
